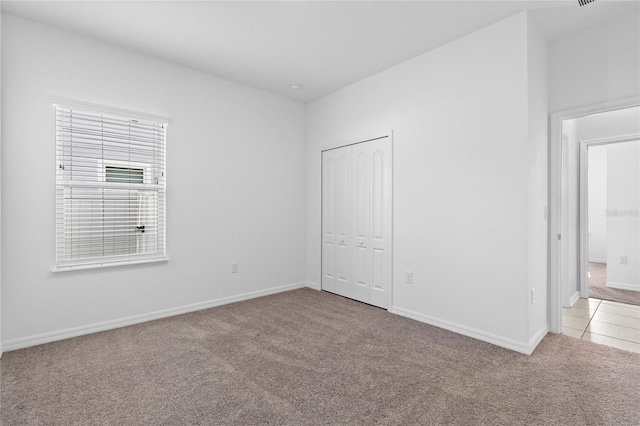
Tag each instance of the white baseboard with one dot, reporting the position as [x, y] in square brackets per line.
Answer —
[514, 345]
[537, 338]
[52, 336]
[623, 286]
[574, 298]
[314, 286]
[596, 260]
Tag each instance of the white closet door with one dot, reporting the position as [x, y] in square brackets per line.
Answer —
[356, 221]
[381, 222]
[343, 208]
[328, 221]
[361, 221]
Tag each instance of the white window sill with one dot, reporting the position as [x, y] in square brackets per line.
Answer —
[60, 269]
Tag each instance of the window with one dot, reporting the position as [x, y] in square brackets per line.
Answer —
[123, 174]
[110, 188]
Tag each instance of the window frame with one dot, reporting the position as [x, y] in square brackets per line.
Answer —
[160, 255]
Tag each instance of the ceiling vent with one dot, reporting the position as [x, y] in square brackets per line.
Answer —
[585, 2]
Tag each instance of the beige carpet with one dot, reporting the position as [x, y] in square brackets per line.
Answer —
[599, 290]
[306, 357]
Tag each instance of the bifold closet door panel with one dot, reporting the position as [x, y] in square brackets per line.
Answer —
[328, 221]
[361, 217]
[343, 220]
[356, 221]
[381, 186]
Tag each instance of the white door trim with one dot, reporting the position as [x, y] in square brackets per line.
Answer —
[583, 249]
[556, 228]
[353, 141]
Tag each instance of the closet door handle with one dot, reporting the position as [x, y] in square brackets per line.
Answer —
[342, 242]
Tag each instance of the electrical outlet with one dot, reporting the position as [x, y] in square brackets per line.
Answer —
[408, 277]
[234, 268]
[533, 296]
[623, 260]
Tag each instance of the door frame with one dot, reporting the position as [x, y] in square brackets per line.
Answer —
[583, 247]
[558, 226]
[354, 141]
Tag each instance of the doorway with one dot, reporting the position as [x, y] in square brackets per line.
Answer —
[357, 221]
[568, 262]
[609, 223]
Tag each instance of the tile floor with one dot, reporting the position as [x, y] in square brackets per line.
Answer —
[604, 322]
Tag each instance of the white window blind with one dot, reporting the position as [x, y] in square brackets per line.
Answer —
[110, 189]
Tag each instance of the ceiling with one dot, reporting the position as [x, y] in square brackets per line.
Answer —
[322, 45]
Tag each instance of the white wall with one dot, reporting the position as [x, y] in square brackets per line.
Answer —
[595, 65]
[597, 187]
[235, 189]
[462, 170]
[623, 180]
[537, 170]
